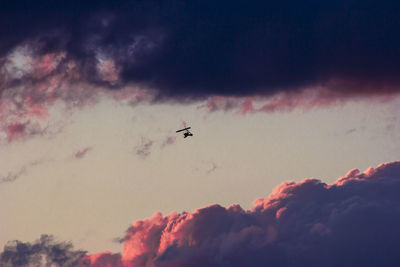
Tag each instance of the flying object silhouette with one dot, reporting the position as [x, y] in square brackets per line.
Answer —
[186, 133]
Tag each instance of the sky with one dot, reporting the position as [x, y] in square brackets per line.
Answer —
[293, 109]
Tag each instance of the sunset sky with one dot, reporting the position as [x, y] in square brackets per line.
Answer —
[92, 94]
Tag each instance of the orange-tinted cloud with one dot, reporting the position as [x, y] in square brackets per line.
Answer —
[103, 259]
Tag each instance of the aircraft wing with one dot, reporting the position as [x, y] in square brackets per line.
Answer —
[183, 129]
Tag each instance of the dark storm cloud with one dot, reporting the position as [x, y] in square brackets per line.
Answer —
[43, 252]
[196, 49]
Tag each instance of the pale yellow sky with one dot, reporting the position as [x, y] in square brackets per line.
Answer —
[231, 159]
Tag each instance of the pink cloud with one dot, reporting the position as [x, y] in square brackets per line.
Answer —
[218, 103]
[291, 227]
[169, 140]
[279, 102]
[16, 130]
[19, 130]
[46, 64]
[108, 71]
[306, 99]
[81, 153]
[103, 259]
[31, 84]
[143, 240]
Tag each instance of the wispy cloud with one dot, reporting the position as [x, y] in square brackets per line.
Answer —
[350, 131]
[143, 149]
[14, 175]
[169, 140]
[82, 153]
[214, 166]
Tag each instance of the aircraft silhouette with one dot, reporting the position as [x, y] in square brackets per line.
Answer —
[186, 133]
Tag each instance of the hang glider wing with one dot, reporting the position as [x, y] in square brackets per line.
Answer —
[185, 129]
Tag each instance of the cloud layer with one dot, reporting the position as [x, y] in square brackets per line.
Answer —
[353, 222]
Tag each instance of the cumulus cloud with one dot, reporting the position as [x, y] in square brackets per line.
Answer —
[43, 252]
[352, 222]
